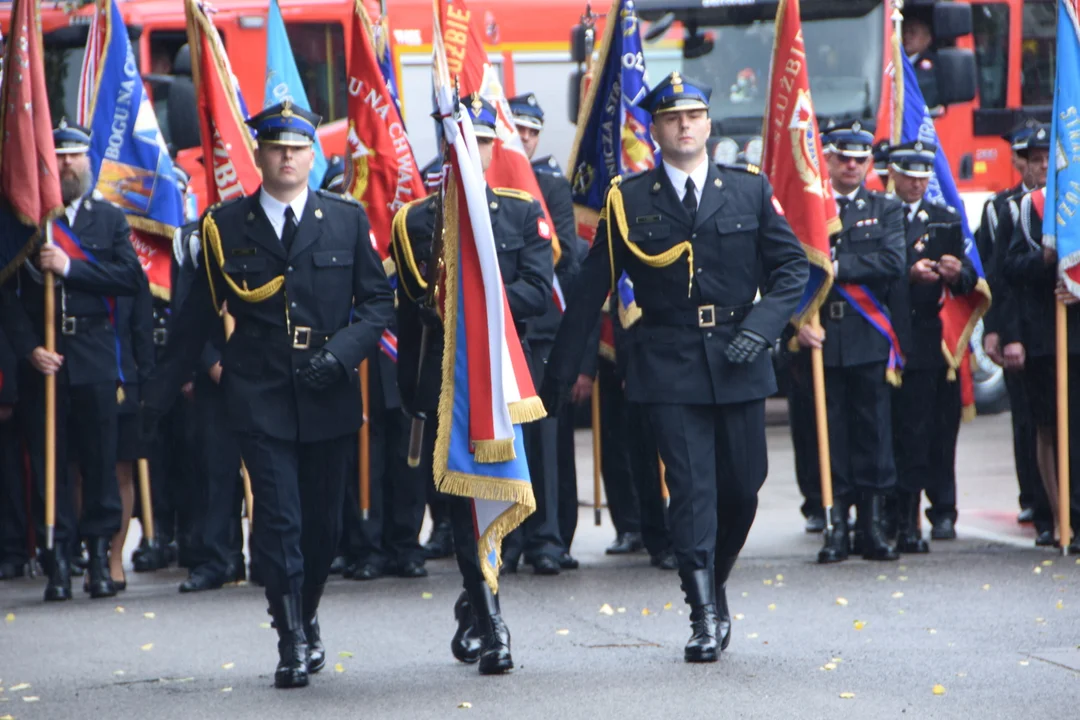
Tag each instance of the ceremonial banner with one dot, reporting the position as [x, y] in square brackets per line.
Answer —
[381, 172]
[384, 51]
[283, 81]
[793, 160]
[226, 141]
[128, 155]
[29, 182]
[959, 314]
[487, 390]
[612, 136]
[1061, 226]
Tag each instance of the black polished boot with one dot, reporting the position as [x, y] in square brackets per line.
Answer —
[58, 569]
[292, 667]
[701, 597]
[909, 538]
[494, 635]
[316, 650]
[724, 566]
[875, 545]
[440, 543]
[149, 556]
[99, 583]
[466, 642]
[836, 541]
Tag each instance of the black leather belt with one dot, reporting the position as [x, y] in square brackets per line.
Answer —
[302, 337]
[704, 316]
[161, 336]
[78, 325]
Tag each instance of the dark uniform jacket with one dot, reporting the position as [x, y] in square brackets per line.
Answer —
[690, 310]
[555, 189]
[870, 251]
[525, 263]
[1033, 283]
[333, 294]
[89, 342]
[922, 336]
[992, 239]
[135, 328]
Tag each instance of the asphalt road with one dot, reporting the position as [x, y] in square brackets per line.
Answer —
[992, 620]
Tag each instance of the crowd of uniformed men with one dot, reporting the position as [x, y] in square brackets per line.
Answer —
[716, 272]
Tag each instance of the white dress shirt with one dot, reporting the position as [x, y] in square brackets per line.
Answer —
[275, 209]
[912, 209]
[678, 179]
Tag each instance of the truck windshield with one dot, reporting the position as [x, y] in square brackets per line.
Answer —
[844, 57]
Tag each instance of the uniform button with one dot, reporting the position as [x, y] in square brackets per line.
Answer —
[738, 225]
[699, 270]
[293, 305]
[708, 334]
[333, 259]
[693, 236]
[290, 268]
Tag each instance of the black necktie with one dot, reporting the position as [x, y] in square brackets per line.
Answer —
[841, 204]
[288, 232]
[907, 218]
[689, 199]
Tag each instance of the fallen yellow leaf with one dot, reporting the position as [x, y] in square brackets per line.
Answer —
[7, 717]
[19, 687]
[1037, 570]
[120, 609]
[1025, 663]
[746, 594]
[841, 601]
[902, 568]
[752, 635]
[606, 609]
[986, 587]
[939, 690]
[226, 689]
[1058, 577]
[264, 626]
[767, 581]
[30, 698]
[961, 674]
[897, 595]
[780, 578]
[933, 631]
[828, 666]
[148, 646]
[465, 706]
[149, 615]
[426, 595]
[859, 624]
[1060, 605]
[118, 673]
[646, 611]
[1047, 563]
[1040, 620]
[228, 666]
[622, 610]
[847, 695]
[837, 660]
[339, 668]
[10, 617]
[882, 577]
[667, 606]
[739, 616]
[562, 631]
[345, 654]
[772, 606]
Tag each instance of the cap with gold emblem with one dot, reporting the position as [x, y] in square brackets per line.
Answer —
[285, 124]
[527, 111]
[482, 114]
[676, 92]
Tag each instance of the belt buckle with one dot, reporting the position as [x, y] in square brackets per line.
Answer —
[301, 338]
[706, 316]
[67, 325]
[160, 336]
[836, 310]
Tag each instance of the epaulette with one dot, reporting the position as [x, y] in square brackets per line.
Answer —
[513, 193]
[744, 167]
[547, 165]
[626, 178]
[223, 204]
[347, 199]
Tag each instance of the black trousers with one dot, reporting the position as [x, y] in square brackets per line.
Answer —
[802, 420]
[13, 522]
[539, 534]
[466, 548]
[85, 419]
[298, 489]
[926, 421]
[1040, 380]
[716, 464]
[175, 468]
[1032, 493]
[392, 530]
[860, 431]
[217, 490]
[568, 490]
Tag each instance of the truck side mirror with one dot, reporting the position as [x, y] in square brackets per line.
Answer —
[573, 95]
[956, 75]
[951, 20]
[578, 46]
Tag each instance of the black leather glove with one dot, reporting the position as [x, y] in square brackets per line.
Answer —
[745, 347]
[554, 394]
[148, 421]
[322, 371]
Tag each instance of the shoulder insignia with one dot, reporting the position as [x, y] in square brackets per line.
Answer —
[628, 177]
[224, 204]
[743, 167]
[513, 193]
[347, 199]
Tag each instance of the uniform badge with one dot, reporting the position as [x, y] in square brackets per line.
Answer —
[318, 213]
[656, 187]
[860, 204]
[920, 244]
[777, 206]
[251, 217]
[718, 182]
[543, 229]
[922, 215]
[86, 205]
[494, 205]
[925, 64]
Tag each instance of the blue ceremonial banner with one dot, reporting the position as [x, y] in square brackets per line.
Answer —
[385, 57]
[918, 125]
[128, 155]
[283, 81]
[613, 132]
[1061, 226]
